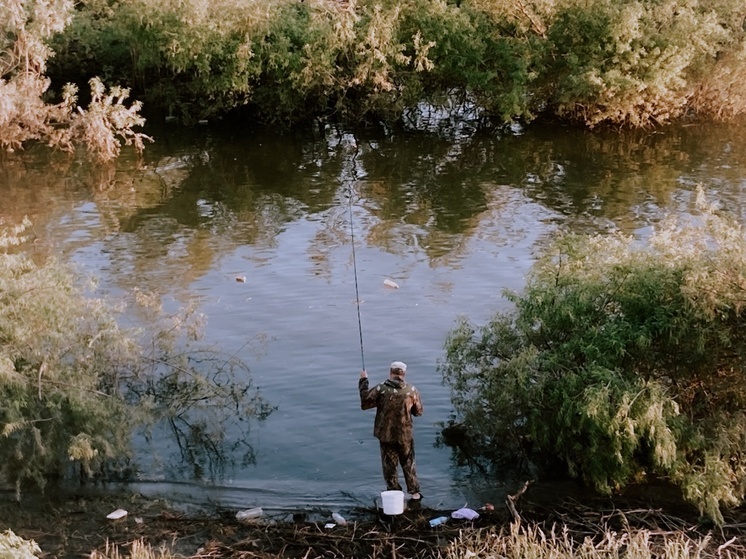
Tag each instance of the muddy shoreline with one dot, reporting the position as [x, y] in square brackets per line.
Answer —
[74, 525]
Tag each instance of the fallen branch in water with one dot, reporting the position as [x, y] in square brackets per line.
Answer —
[512, 499]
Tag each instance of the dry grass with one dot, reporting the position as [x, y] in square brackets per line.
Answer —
[513, 542]
[532, 542]
[137, 549]
[570, 533]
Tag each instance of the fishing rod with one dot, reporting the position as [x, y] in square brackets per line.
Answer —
[357, 292]
[354, 259]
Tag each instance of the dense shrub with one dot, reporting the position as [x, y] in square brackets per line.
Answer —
[74, 385]
[25, 112]
[623, 62]
[620, 62]
[633, 63]
[620, 362]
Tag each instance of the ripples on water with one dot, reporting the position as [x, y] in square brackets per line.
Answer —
[453, 221]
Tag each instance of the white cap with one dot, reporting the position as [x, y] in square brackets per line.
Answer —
[399, 365]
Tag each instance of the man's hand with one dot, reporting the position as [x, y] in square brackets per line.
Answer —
[363, 374]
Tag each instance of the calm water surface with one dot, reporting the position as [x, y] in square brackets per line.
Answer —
[454, 220]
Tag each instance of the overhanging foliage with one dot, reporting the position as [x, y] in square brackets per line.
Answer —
[26, 114]
[620, 62]
[620, 361]
[74, 384]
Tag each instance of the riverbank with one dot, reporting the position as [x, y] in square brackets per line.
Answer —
[76, 526]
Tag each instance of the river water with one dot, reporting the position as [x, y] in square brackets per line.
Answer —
[453, 218]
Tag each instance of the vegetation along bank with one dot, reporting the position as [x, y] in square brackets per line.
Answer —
[631, 63]
[618, 364]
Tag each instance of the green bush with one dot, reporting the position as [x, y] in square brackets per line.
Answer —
[630, 63]
[193, 58]
[74, 385]
[620, 62]
[620, 362]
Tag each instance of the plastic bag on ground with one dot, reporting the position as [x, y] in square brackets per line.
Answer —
[465, 514]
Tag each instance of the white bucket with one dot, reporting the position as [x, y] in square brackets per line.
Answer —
[393, 502]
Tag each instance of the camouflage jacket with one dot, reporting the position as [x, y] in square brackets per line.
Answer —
[395, 402]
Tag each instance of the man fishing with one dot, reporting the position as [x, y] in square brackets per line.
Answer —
[395, 402]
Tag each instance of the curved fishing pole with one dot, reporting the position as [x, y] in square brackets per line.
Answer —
[354, 262]
[357, 293]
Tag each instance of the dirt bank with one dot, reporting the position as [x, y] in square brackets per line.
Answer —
[75, 525]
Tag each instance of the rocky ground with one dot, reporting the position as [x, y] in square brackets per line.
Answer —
[76, 525]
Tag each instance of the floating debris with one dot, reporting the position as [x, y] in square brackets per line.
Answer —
[117, 514]
[465, 513]
[390, 283]
[249, 514]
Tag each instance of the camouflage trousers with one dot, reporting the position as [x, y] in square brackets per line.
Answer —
[393, 454]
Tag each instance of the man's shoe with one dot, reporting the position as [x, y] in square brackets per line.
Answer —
[415, 496]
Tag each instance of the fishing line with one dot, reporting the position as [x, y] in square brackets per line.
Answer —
[357, 292]
[354, 258]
